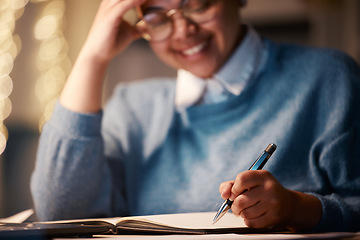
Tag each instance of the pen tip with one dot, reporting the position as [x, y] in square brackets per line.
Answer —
[215, 218]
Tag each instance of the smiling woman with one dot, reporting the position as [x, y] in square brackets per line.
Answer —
[154, 148]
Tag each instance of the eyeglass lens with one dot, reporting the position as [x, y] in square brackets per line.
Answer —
[157, 25]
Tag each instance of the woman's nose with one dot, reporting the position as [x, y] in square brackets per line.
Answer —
[183, 26]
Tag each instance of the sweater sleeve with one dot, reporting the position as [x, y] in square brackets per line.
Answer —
[72, 178]
[340, 160]
[338, 151]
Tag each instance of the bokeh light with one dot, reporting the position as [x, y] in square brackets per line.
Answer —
[2, 141]
[6, 63]
[10, 46]
[52, 59]
[6, 86]
[46, 27]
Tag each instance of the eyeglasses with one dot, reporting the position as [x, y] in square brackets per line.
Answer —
[158, 25]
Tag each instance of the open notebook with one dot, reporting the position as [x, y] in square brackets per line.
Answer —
[186, 223]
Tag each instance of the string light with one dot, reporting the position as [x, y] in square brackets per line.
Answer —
[52, 59]
[10, 45]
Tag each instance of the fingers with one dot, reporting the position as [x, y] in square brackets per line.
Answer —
[247, 180]
[225, 189]
[246, 201]
[244, 181]
[261, 216]
[126, 4]
[259, 222]
[109, 35]
[115, 9]
[254, 211]
[263, 202]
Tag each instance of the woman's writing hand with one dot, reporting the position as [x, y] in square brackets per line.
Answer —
[264, 203]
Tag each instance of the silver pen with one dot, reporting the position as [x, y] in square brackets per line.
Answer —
[257, 165]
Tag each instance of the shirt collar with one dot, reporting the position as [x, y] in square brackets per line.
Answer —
[244, 64]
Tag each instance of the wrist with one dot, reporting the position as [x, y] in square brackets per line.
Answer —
[96, 61]
[83, 89]
[307, 211]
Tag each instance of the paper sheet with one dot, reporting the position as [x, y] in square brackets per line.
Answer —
[19, 217]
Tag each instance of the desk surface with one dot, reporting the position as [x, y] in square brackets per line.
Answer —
[344, 236]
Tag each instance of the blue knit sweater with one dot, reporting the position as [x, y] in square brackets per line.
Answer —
[140, 156]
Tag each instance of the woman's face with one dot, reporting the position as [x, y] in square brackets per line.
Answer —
[199, 48]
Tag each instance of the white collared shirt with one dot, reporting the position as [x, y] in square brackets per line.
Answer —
[245, 63]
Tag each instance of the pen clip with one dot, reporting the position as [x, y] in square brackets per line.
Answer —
[263, 158]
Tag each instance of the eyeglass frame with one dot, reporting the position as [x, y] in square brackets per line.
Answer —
[169, 15]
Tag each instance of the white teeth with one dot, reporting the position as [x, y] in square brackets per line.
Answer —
[194, 49]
